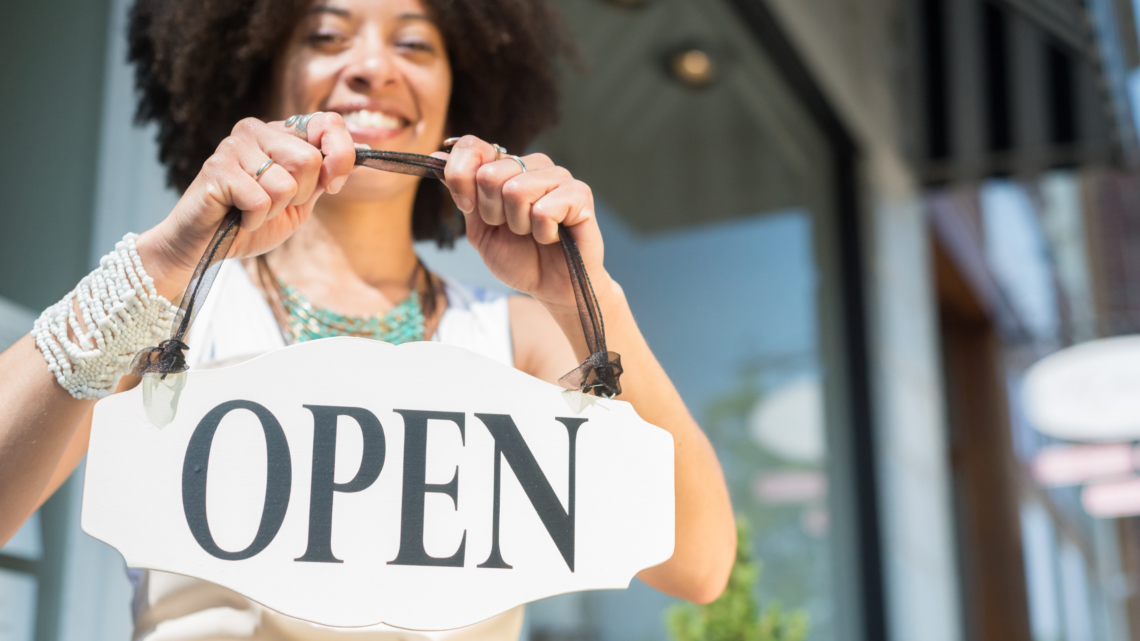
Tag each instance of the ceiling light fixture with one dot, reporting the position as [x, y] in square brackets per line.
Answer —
[692, 66]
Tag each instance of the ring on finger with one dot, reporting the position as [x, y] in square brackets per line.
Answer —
[299, 123]
[518, 160]
[500, 150]
[262, 168]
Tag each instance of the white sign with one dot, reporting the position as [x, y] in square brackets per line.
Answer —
[349, 482]
[1089, 392]
[1113, 499]
[1065, 465]
[789, 421]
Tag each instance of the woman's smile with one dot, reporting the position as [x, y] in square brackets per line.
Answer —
[374, 127]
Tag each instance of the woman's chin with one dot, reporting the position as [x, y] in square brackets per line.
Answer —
[366, 185]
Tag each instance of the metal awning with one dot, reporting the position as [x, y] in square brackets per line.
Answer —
[1065, 20]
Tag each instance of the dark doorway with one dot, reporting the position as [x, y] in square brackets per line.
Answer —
[984, 472]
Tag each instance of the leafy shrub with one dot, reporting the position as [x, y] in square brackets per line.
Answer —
[734, 615]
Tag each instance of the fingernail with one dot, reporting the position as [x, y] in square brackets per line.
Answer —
[362, 145]
[337, 184]
[463, 203]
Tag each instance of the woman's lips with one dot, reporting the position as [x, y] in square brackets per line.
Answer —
[374, 126]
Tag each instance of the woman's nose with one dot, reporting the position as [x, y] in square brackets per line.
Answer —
[371, 68]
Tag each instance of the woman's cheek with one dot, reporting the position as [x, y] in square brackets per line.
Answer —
[436, 88]
[308, 84]
[320, 85]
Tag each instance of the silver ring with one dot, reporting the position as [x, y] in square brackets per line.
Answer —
[262, 168]
[500, 150]
[299, 123]
[518, 160]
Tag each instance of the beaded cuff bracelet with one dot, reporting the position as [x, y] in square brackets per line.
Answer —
[122, 313]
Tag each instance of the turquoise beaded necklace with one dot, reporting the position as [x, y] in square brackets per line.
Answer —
[305, 321]
[403, 323]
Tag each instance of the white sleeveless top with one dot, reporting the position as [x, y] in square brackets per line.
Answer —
[234, 325]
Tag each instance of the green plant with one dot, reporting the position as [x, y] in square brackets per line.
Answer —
[734, 615]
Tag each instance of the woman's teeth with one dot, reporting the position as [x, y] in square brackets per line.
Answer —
[372, 119]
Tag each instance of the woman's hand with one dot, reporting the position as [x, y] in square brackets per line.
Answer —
[512, 218]
[273, 205]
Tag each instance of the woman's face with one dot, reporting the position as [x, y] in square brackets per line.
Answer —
[382, 65]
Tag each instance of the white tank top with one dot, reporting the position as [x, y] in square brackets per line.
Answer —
[236, 324]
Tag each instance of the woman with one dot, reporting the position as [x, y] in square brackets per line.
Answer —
[329, 246]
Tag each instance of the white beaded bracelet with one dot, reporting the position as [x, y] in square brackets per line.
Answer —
[122, 313]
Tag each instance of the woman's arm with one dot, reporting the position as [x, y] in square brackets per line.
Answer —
[38, 422]
[43, 429]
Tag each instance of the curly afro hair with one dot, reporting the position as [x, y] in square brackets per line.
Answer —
[203, 65]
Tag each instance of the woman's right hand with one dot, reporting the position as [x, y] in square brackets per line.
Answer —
[272, 206]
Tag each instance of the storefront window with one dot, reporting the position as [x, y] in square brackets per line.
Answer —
[19, 560]
[20, 556]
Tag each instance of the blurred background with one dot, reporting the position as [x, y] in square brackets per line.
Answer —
[850, 229]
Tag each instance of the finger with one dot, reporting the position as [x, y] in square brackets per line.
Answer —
[522, 191]
[467, 156]
[571, 204]
[327, 132]
[232, 186]
[302, 160]
[491, 179]
[476, 228]
[281, 187]
[274, 179]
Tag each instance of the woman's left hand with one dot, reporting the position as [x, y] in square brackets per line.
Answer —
[513, 216]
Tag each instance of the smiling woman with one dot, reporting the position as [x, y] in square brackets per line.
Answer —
[205, 67]
[260, 104]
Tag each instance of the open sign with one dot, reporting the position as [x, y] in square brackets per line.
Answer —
[349, 482]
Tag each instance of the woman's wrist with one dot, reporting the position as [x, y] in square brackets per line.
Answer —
[611, 303]
[566, 306]
[170, 276]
